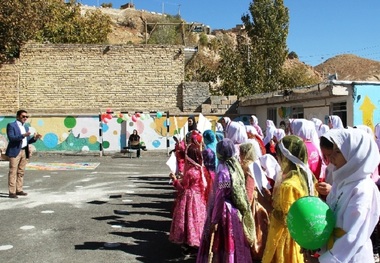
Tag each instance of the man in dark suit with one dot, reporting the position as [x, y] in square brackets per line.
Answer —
[18, 152]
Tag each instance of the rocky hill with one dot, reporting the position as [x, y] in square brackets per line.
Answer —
[128, 27]
[351, 67]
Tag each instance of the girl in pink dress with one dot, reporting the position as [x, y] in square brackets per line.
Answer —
[190, 207]
[179, 151]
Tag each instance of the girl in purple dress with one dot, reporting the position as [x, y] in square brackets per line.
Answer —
[231, 232]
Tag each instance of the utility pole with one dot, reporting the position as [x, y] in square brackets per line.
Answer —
[163, 7]
[179, 9]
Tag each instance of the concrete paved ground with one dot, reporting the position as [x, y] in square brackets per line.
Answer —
[118, 212]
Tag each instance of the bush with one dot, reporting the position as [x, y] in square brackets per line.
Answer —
[203, 40]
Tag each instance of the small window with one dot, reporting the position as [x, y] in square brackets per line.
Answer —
[297, 112]
[340, 109]
[272, 115]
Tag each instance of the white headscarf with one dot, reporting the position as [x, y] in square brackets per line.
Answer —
[266, 167]
[320, 127]
[255, 121]
[236, 132]
[255, 124]
[256, 147]
[336, 122]
[251, 129]
[219, 127]
[366, 129]
[269, 134]
[300, 164]
[270, 123]
[317, 122]
[305, 129]
[279, 133]
[359, 150]
[354, 198]
[270, 165]
[323, 129]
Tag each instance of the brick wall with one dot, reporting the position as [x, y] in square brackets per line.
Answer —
[90, 78]
[9, 84]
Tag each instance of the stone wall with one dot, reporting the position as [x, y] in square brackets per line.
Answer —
[194, 95]
[90, 78]
[221, 105]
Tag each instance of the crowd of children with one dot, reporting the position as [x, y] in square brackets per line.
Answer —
[235, 186]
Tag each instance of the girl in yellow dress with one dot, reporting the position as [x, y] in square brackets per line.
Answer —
[297, 181]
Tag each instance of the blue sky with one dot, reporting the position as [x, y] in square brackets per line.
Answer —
[318, 30]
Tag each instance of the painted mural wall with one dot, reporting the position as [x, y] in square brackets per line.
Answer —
[82, 133]
[366, 105]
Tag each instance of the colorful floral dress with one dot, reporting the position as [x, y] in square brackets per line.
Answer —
[229, 244]
[189, 213]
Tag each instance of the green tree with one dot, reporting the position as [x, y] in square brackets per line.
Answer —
[231, 70]
[19, 22]
[106, 5]
[203, 40]
[292, 55]
[298, 76]
[167, 31]
[65, 24]
[47, 21]
[201, 68]
[267, 27]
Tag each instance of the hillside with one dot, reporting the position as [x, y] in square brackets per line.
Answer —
[128, 27]
[351, 67]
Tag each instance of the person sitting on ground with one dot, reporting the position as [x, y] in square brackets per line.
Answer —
[134, 143]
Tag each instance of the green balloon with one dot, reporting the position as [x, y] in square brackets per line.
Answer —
[310, 222]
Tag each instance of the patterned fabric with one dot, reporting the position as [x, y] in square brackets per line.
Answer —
[180, 149]
[280, 247]
[260, 215]
[189, 212]
[230, 243]
[239, 197]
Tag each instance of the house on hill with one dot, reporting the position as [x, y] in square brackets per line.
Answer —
[356, 102]
[127, 5]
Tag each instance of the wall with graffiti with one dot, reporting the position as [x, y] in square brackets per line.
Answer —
[366, 105]
[82, 133]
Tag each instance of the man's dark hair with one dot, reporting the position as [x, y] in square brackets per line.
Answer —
[20, 112]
